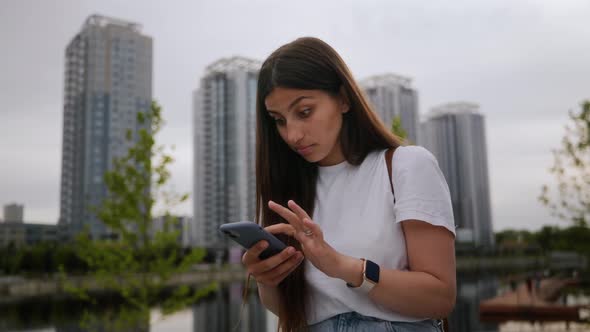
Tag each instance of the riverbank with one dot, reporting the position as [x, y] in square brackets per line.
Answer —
[17, 288]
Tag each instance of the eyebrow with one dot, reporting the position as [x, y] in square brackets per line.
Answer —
[293, 103]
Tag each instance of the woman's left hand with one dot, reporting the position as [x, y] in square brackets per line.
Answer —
[308, 233]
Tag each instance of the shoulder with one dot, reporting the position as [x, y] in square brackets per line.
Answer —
[413, 157]
[421, 189]
[415, 169]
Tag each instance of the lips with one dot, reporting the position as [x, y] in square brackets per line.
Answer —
[305, 149]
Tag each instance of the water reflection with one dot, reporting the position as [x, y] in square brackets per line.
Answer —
[221, 312]
[470, 291]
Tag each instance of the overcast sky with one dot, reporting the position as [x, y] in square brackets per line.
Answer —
[526, 63]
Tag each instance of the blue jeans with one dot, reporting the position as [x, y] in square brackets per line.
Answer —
[354, 322]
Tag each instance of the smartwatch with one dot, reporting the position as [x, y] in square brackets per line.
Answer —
[370, 276]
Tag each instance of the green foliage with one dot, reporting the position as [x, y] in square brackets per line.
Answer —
[549, 238]
[512, 235]
[141, 258]
[396, 128]
[575, 238]
[571, 169]
[184, 296]
[40, 259]
[121, 318]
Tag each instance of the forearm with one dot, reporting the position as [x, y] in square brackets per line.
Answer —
[269, 297]
[417, 294]
[411, 293]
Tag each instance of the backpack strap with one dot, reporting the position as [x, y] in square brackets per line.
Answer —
[388, 158]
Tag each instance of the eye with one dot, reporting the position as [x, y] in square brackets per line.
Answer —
[279, 121]
[305, 113]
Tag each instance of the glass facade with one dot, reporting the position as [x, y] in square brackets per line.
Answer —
[224, 148]
[107, 82]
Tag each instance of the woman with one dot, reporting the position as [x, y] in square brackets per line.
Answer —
[377, 255]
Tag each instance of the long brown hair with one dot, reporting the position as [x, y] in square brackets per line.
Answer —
[309, 64]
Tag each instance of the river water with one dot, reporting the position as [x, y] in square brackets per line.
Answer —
[221, 312]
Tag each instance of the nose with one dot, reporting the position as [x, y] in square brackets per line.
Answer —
[294, 133]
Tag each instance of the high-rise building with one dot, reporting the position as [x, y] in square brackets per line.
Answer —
[393, 96]
[108, 80]
[455, 134]
[13, 213]
[224, 148]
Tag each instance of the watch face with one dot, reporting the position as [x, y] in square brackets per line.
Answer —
[372, 271]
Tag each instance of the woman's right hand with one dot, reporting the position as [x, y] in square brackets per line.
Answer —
[271, 271]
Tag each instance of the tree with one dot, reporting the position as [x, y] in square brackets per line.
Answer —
[396, 128]
[571, 169]
[138, 261]
[547, 237]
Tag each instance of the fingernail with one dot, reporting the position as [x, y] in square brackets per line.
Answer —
[263, 245]
[290, 250]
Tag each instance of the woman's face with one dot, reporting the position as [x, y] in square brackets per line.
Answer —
[309, 121]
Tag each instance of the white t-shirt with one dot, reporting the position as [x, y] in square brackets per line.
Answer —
[355, 210]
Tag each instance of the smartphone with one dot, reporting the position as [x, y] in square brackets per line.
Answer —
[248, 233]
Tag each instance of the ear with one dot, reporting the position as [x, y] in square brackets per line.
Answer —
[344, 100]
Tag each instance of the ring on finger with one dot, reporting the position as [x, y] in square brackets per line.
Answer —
[307, 232]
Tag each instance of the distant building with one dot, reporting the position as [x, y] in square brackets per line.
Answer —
[108, 81]
[12, 233]
[13, 213]
[393, 96]
[25, 234]
[455, 134]
[224, 148]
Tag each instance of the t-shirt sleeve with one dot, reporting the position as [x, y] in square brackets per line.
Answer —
[421, 191]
